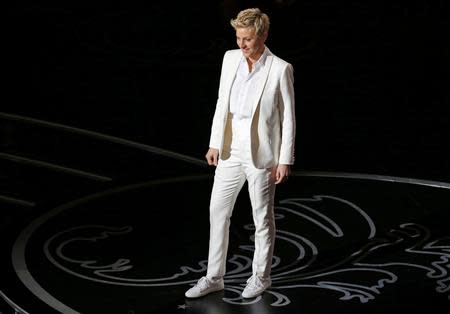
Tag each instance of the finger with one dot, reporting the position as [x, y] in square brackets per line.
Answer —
[278, 178]
[215, 160]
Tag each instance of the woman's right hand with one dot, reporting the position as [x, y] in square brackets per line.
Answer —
[212, 156]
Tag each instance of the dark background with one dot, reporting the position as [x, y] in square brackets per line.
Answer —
[371, 77]
[371, 83]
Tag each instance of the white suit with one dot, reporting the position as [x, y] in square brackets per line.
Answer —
[250, 150]
[273, 115]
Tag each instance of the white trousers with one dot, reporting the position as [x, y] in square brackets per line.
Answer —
[230, 176]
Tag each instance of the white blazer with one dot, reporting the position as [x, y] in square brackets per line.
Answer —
[272, 131]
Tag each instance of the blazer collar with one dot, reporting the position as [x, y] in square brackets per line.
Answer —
[268, 58]
[264, 76]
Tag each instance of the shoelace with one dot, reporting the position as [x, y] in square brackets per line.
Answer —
[203, 283]
[254, 282]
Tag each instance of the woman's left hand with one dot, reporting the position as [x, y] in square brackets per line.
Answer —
[282, 174]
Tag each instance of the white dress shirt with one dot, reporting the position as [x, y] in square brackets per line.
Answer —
[242, 92]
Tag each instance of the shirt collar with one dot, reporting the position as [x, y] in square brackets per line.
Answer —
[261, 61]
[263, 58]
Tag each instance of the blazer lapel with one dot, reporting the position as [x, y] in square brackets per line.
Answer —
[231, 75]
[262, 83]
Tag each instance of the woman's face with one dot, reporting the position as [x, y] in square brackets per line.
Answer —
[251, 45]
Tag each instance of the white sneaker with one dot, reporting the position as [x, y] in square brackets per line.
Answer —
[255, 286]
[203, 287]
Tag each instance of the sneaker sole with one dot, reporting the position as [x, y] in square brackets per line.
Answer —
[203, 294]
[256, 295]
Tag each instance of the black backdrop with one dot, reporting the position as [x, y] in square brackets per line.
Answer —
[371, 77]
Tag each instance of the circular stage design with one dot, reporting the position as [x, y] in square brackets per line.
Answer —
[347, 242]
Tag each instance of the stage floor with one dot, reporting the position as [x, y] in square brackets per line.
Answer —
[93, 223]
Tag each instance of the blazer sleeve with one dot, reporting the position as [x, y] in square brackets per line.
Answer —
[217, 123]
[287, 116]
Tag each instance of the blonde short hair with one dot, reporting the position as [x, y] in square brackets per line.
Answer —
[252, 18]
